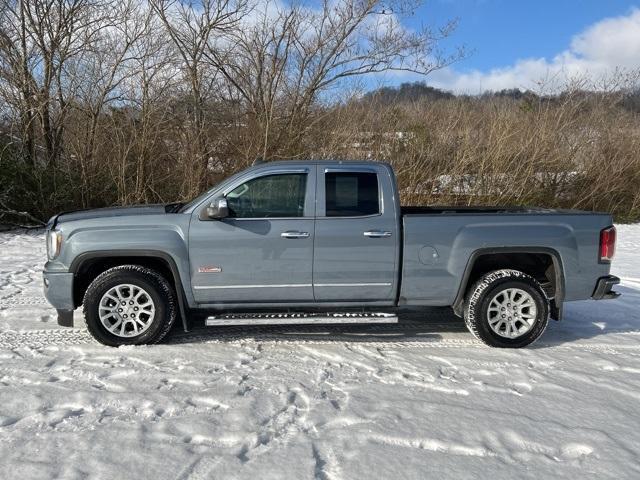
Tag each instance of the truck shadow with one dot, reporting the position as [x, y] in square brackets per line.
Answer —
[583, 320]
[588, 320]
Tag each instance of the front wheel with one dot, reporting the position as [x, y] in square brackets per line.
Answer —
[129, 305]
[507, 309]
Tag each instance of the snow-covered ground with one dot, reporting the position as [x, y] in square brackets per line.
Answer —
[418, 400]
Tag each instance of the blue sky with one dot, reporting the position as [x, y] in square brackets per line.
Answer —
[513, 41]
[503, 31]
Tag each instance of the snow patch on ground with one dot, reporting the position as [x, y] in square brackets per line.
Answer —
[420, 399]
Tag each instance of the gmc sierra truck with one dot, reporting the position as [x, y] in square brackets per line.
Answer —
[321, 242]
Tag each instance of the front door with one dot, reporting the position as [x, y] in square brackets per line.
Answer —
[261, 253]
[356, 238]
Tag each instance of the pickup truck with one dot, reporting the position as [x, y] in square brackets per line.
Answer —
[321, 242]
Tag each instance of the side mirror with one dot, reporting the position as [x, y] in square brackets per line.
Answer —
[218, 209]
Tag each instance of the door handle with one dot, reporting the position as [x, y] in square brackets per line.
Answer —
[377, 233]
[291, 234]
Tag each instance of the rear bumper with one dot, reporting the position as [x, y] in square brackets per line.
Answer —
[603, 290]
[58, 290]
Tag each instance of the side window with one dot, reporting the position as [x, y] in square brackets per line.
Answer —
[351, 194]
[269, 196]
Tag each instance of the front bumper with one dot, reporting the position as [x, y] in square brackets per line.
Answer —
[58, 290]
[603, 290]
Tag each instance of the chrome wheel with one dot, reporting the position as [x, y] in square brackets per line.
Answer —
[126, 310]
[512, 313]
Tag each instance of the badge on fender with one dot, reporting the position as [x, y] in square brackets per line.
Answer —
[209, 269]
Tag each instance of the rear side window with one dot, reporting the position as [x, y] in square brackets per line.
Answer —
[351, 194]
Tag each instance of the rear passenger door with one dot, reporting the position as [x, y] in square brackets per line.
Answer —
[356, 237]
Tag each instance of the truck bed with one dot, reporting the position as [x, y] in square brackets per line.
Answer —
[438, 243]
[487, 210]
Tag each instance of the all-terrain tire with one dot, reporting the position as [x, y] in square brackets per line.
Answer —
[159, 289]
[478, 299]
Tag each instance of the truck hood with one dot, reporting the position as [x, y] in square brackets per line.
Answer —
[135, 210]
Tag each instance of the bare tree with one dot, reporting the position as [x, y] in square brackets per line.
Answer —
[193, 29]
[40, 39]
[285, 57]
[140, 156]
[39, 42]
[110, 59]
[17, 84]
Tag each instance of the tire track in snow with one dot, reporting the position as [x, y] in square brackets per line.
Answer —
[20, 301]
[11, 340]
[43, 338]
[73, 336]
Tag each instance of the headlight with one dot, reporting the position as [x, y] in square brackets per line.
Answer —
[54, 242]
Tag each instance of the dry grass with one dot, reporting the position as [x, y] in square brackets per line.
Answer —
[573, 151]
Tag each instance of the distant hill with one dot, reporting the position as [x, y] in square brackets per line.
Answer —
[411, 92]
[407, 92]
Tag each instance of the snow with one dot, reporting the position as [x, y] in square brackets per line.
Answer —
[422, 399]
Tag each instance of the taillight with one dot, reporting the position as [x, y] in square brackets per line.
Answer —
[607, 244]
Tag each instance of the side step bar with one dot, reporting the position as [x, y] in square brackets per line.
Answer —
[299, 318]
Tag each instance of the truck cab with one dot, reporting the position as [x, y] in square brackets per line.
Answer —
[308, 233]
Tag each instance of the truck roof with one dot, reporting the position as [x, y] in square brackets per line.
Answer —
[318, 161]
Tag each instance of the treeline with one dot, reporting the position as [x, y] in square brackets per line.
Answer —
[148, 100]
[135, 101]
[575, 149]
[624, 86]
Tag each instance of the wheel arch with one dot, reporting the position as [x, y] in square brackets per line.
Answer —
[536, 261]
[88, 265]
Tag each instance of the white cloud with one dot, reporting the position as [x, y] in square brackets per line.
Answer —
[610, 44]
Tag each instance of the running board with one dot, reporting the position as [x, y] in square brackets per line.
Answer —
[299, 318]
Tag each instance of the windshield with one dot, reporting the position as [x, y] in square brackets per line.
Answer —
[197, 200]
[203, 196]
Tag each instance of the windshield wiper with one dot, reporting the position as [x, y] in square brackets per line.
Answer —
[173, 207]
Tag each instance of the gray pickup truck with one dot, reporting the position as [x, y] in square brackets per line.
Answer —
[321, 242]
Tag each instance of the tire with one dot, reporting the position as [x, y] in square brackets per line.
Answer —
[140, 288]
[487, 310]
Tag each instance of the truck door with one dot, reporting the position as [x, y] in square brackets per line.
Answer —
[356, 244]
[263, 252]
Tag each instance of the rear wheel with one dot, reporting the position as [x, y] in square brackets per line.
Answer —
[129, 305]
[506, 308]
